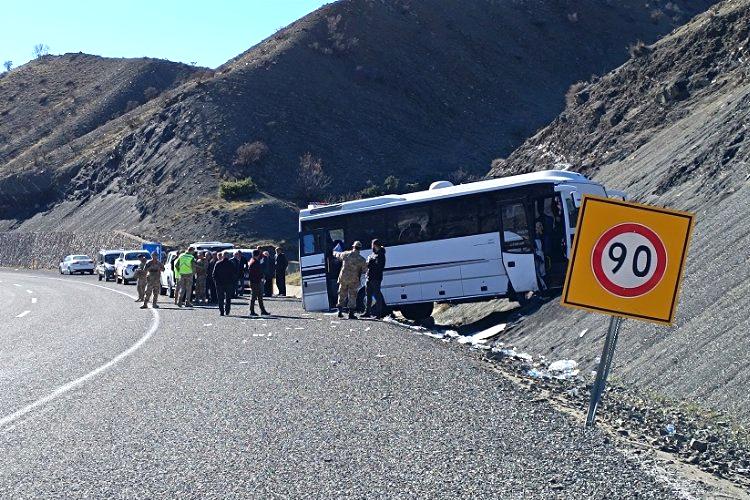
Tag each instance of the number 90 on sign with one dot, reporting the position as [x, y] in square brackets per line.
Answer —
[629, 260]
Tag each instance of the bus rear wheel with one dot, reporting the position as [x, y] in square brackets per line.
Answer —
[417, 312]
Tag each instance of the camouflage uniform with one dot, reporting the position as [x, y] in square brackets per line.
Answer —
[352, 268]
[153, 272]
[199, 266]
[140, 276]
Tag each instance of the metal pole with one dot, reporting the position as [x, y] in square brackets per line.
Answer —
[605, 363]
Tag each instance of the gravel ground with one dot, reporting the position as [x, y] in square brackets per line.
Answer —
[296, 405]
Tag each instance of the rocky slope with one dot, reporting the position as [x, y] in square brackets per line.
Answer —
[370, 87]
[670, 127]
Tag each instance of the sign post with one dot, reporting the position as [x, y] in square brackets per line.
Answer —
[627, 261]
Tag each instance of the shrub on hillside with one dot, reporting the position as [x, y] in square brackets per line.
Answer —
[233, 190]
[312, 182]
[576, 94]
[250, 153]
[639, 49]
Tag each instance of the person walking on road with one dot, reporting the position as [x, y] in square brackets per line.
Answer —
[268, 262]
[375, 267]
[185, 266]
[353, 266]
[153, 269]
[255, 272]
[280, 267]
[210, 285]
[225, 279]
[200, 278]
[140, 278]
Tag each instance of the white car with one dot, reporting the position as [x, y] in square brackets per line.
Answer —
[211, 246]
[72, 264]
[126, 265]
[167, 277]
[105, 267]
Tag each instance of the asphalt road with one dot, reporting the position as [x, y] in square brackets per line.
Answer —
[99, 398]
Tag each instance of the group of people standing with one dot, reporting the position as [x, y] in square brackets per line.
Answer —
[353, 266]
[217, 277]
[204, 277]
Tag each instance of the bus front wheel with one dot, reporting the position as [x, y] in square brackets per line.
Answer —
[417, 312]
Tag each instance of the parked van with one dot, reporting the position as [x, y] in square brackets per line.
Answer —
[105, 263]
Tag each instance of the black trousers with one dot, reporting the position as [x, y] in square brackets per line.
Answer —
[211, 291]
[281, 283]
[372, 289]
[224, 293]
[268, 286]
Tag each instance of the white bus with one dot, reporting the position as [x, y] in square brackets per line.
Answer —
[478, 241]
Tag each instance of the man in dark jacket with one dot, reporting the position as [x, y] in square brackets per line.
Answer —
[268, 262]
[282, 263]
[225, 280]
[255, 273]
[375, 267]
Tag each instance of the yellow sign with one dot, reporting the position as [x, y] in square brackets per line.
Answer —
[627, 259]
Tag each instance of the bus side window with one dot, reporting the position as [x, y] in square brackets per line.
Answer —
[488, 214]
[516, 236]
[409, 225]
[367, 226]
[454, 218]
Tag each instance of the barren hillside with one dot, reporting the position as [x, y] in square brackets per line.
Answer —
[418, 90]
[670, 127]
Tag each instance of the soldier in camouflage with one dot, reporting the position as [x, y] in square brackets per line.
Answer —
[153, 270]
[199, 266]
[352, 268]
[140, 277]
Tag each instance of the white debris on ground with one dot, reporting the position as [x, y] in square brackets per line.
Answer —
[561, 369]
[479, 339]
[583, 332]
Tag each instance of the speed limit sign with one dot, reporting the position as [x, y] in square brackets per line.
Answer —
[627, 259]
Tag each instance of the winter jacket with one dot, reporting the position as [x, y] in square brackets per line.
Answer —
[282, 263]
[353, 266]
[268, 264]
[255, 271]
[239, 266]
[225, 273]
[375, 266]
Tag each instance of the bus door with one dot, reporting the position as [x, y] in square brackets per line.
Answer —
[313, 250]
[517, 249]
[569, 200]
[552, 239]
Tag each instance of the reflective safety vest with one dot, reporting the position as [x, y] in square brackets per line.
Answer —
[185, 264]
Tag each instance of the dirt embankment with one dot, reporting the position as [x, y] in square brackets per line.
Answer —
[45, 250]
[670, 128]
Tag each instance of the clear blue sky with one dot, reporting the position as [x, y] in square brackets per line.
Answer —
[208, 32]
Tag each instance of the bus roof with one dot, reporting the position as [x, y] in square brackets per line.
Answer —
[546, 176]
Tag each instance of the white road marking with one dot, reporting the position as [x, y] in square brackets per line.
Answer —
[33, 300]
[16, 284]
[23, 314]
[63, 389]
[29, 291]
